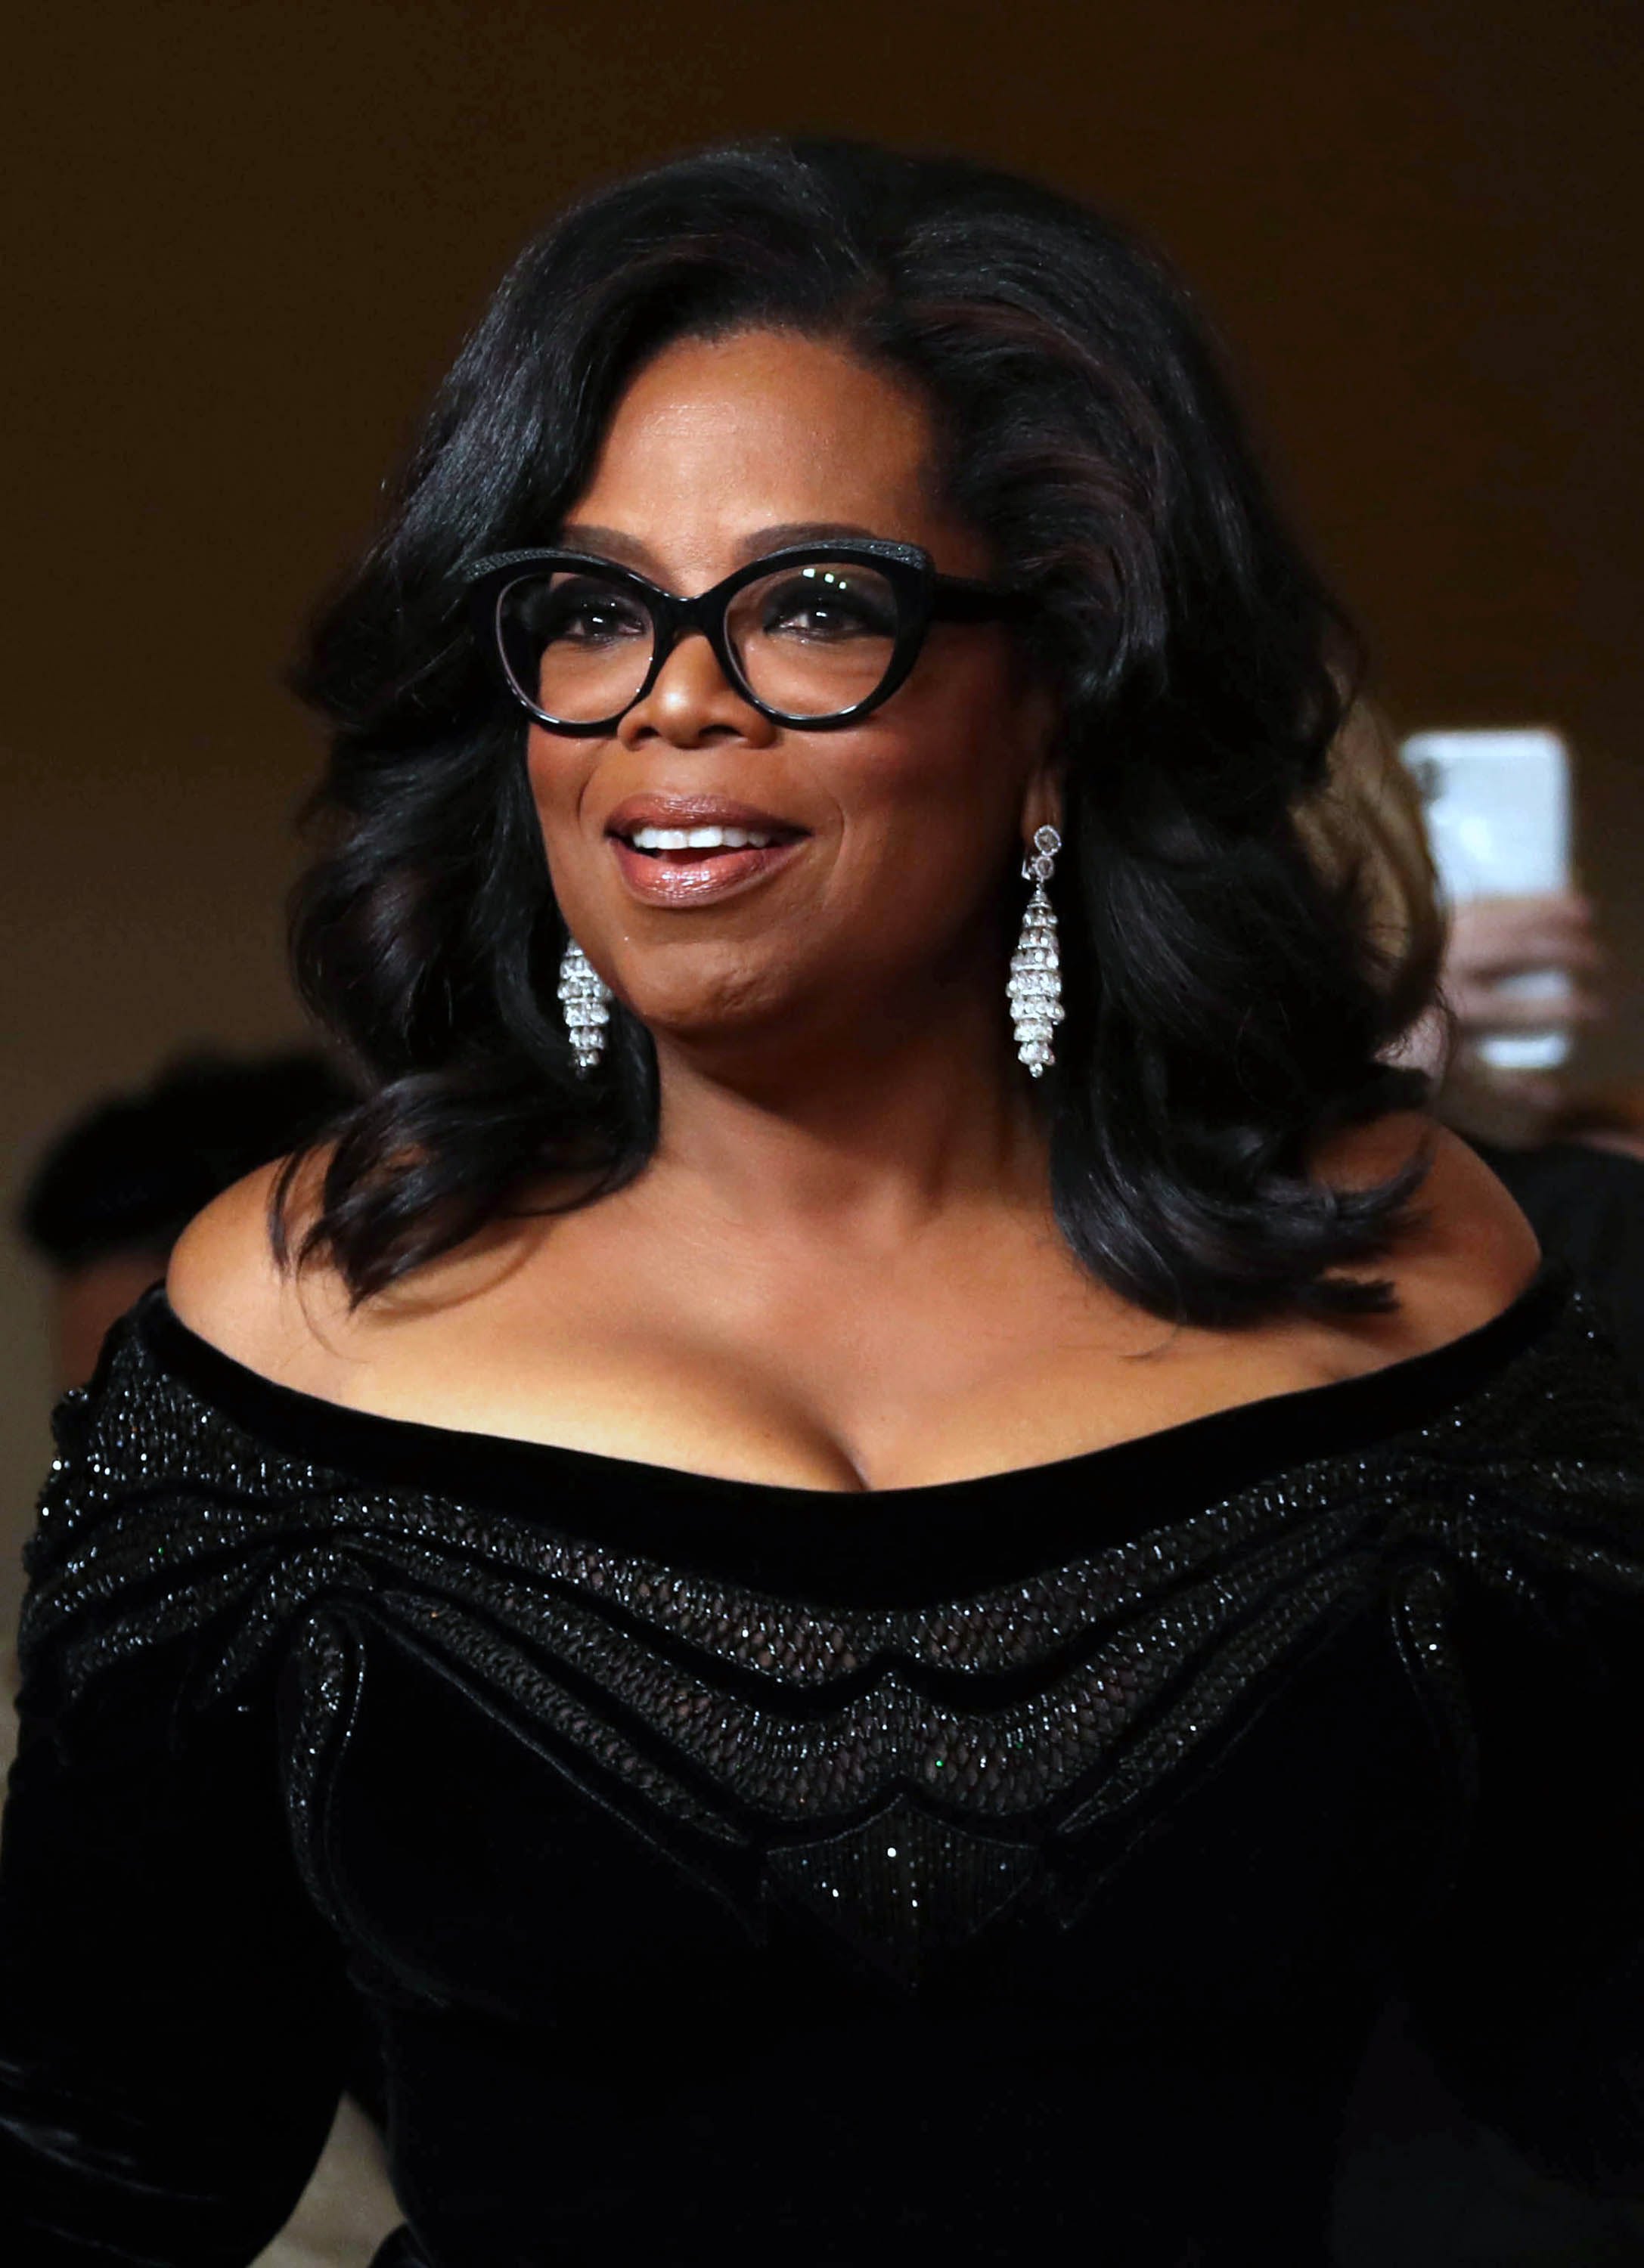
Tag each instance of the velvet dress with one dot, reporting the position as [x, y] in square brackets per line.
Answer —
[998, 1871]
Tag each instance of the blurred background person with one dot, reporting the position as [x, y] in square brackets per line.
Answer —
[114, 1190]
[1569, 1153]
[1572, 1152]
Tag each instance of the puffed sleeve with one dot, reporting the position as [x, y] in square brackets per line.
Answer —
[1528, 1988]
[171, 2006]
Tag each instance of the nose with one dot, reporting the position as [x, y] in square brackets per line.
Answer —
[693, 702]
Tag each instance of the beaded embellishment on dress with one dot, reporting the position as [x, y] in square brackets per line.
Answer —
[900, 1776]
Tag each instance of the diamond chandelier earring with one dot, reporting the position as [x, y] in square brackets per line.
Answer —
[1035, 990]
[584, 999]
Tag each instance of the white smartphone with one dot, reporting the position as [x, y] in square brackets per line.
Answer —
[1498, 811]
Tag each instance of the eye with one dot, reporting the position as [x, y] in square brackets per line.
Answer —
[826, 605]
[583, 611]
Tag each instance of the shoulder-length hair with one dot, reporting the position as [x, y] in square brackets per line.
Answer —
[1228, 1003]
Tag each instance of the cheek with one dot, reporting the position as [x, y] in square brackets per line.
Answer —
[557, 770]
[548, 771]
[939, 794]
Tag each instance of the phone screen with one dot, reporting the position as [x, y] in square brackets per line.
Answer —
[1497, 803]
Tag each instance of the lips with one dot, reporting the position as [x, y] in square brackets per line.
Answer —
[678, 850]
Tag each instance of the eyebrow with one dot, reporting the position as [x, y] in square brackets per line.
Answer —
[629, 551]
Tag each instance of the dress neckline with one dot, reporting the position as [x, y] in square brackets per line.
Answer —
[779, 1531]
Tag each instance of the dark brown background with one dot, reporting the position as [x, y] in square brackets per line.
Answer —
[243, 239]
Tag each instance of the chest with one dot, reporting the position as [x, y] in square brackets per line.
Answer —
[812, 1370]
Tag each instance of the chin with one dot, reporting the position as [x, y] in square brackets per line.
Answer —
[699, 1003]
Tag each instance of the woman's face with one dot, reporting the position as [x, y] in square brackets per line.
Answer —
[899, 831]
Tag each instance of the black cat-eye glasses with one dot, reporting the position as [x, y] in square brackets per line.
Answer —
[815, 635]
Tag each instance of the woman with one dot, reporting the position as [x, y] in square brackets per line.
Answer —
[859, 1615]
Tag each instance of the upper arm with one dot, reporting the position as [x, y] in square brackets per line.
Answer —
[173, 2005]
[171, 2010]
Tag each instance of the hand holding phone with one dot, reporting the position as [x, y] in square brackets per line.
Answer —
[1495, 942]
[1496, 803]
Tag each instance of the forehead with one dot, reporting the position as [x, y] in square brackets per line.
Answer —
[714, 437]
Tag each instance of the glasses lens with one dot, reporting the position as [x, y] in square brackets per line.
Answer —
[576, 645]
[816, 640]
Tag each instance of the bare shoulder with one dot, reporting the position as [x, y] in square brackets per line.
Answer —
[1467, 1251]
[227, 1282]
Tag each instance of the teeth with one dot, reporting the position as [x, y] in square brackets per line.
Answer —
[699, 838]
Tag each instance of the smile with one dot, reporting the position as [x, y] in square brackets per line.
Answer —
[669, 853]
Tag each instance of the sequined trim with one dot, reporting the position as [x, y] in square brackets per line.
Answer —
[905, 1887]
[961, 1736]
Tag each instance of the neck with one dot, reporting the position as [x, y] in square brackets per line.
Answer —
[870, 1130]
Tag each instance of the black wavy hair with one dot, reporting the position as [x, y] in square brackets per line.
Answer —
[1227, 1004]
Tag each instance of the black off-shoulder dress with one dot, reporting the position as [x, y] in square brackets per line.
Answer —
[998, 1871]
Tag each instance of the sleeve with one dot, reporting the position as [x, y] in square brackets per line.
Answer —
[1528, 1989]
[173, 2012]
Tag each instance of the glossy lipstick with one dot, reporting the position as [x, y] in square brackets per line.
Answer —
[664, 868]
